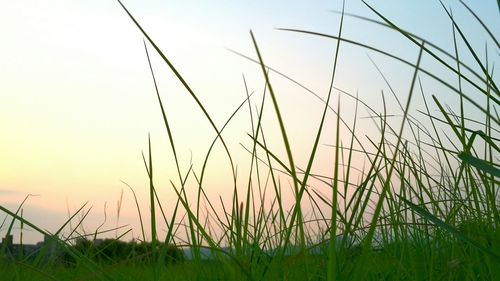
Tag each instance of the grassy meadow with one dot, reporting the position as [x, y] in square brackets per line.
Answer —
[423, 206]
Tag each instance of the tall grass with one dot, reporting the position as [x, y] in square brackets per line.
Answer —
[424, 207]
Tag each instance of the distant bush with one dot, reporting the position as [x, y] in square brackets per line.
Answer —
[112, 251]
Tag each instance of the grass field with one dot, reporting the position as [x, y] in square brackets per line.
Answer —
[424, 206]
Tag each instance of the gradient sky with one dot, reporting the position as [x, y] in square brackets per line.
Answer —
[77, 100]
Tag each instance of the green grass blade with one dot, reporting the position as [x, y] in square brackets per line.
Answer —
[138, 210]
[473, 53]
[332, 255]
[440, 60]
[286, 143]
[482, 23]
[430, 217]
[480, 164]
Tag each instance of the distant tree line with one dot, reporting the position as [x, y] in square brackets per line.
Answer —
[113, 251]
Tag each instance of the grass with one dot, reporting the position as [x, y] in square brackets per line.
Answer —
[424, 207]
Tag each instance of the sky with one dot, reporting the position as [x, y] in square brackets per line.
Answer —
[77, 100]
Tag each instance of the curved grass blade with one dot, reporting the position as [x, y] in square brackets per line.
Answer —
[473, 53]
[183, 82]
[418, 38]
[89, 264]
[430, 217]
[433, 76]
[138, 210]
[480, 164]
[440, 60]
[482, 23]
[286, 143]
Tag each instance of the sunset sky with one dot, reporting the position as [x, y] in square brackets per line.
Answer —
[77, 100]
